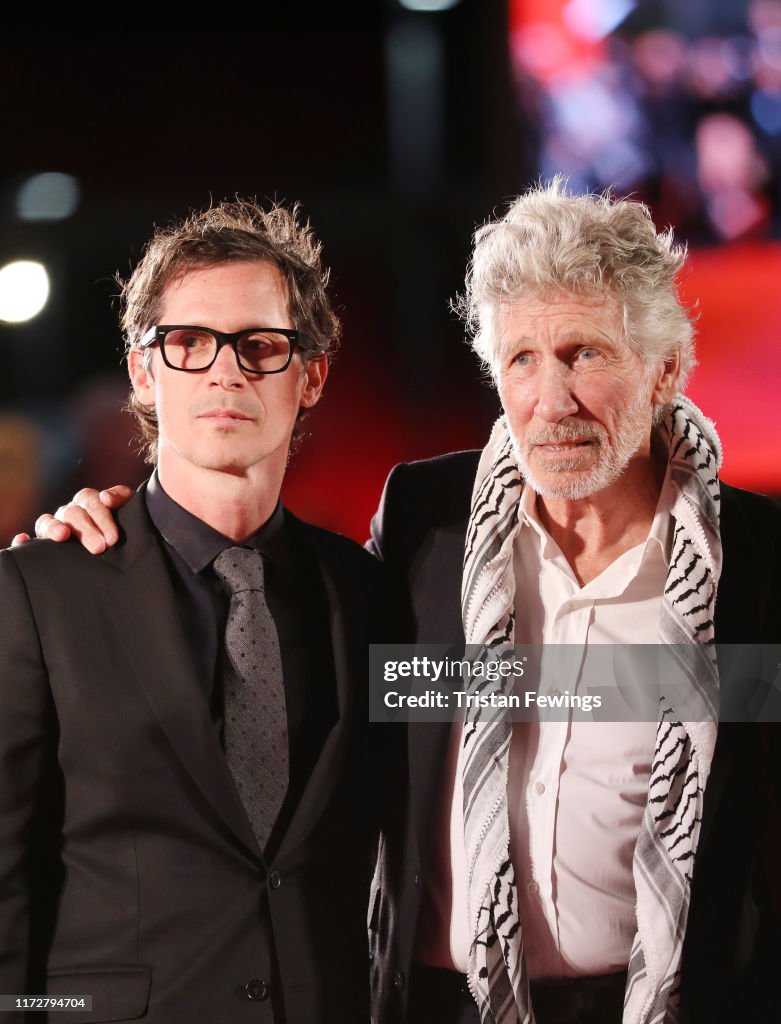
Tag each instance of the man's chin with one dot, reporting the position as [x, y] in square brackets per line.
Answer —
[569, 482]
[223, 459]
[233, 459]
[562, 477]
[565, 486]
[230, 468]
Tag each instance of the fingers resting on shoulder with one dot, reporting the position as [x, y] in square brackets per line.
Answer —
[88, 517]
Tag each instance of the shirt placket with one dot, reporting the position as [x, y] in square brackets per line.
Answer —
[562, 659]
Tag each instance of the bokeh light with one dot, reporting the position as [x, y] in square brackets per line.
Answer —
[24, 289]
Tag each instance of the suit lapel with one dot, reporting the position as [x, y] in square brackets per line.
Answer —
[341, 629]
[141, 606]
[738, 621]
[436, 598]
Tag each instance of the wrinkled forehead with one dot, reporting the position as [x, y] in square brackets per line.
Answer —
[558, 314]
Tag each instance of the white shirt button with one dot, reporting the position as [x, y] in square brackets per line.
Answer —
[555, 693]
[532, 888]
[539, 788]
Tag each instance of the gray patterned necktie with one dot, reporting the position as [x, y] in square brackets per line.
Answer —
[256, 741]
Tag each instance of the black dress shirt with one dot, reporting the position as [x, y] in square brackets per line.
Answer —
[297, 605]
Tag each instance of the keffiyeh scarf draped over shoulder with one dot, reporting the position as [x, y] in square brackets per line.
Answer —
[666, 846]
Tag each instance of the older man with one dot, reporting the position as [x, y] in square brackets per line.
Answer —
[577, 872]
[186, 812]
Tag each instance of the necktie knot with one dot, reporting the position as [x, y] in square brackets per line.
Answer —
[240, 569]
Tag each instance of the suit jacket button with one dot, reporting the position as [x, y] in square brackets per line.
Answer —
[257, 990]
[398, 979]
[275, 879]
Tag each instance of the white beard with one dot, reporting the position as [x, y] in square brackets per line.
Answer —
[611, 461]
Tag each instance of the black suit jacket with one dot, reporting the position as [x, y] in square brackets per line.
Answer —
[128, 868]
[732, 941]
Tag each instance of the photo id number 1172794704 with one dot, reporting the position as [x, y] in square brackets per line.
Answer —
[49, 1002]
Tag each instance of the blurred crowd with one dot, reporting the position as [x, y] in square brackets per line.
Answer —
[679, 104]
[45, 459]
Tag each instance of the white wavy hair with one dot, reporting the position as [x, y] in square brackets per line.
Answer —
[551, 240]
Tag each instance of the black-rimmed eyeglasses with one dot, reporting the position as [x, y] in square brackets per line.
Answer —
[258, 349]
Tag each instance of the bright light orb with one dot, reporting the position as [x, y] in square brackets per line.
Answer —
[24, 289]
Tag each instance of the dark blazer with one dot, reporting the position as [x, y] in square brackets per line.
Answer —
[128, 868]
[732, 938]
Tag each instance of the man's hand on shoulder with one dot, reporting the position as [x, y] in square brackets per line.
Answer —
[88, 517]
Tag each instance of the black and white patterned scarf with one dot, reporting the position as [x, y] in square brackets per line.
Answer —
[666, 846]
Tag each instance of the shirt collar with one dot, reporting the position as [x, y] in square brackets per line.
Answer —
[198, 543]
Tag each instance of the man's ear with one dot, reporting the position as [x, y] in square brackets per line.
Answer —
[667, 378]
[315, 373]
[141, 377]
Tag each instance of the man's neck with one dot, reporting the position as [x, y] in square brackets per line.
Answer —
[595, 531]
[236, 505]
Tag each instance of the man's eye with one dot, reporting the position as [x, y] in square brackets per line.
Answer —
[188, 341]
[587, 355]
[522, 359]
[255, 345]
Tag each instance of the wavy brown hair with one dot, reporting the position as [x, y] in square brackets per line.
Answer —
[230, 231]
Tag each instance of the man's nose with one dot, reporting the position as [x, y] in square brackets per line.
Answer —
[555, 400]
[225, 369]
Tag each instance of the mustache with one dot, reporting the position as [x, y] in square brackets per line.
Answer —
[567, 430]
